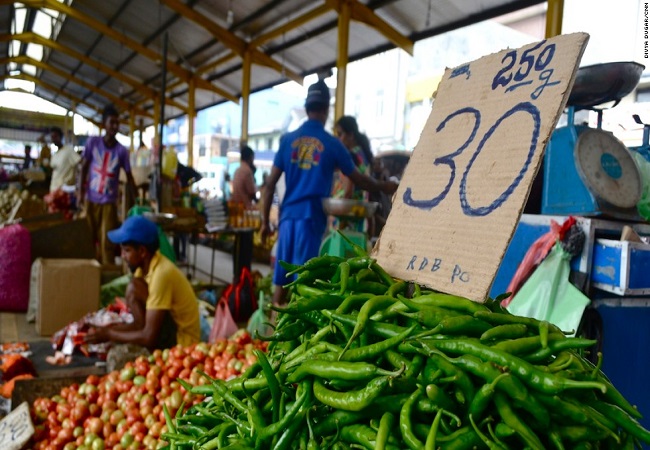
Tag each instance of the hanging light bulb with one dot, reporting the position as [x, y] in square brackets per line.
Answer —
[230, 18]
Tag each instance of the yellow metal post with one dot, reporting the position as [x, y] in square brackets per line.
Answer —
[191, 115]
[554, 15]
[342, 58]
[245, 93]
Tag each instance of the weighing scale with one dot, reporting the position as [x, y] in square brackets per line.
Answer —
[588, 171]
[351, 211]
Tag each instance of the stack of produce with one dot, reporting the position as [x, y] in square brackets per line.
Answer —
[361, 360]
[124, 409]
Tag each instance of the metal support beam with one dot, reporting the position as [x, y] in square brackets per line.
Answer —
[291, 25]
[40, 40]
[554, 14]
[362, 13]
[230, 40]
[57, 91]
[63, 74]
[246, 93]
[101, 27]
[342, 58]
[191, 117]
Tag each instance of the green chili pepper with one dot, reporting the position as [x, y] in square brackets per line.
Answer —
[484, 396]
[385, 426]
[622, 419]
[463, 325]
[396, 288]
[286, 440]
[446, 301]
[337, 419]
[359, 434]
[491, 445]
[508, 331]
[309, 291]
[286, 333]
[366, 274]
[430, 317]
[339, 370]
[351, 301]
[410, 439]
[499, 318]
[459, 377]
[578, 433]
[463, 439]
[430, 443]
[287, 419]
[370, 306]
[370, 351]
[351, 400]
[318, 262]
[513, 421]
[385, 330]
[543, 333]
[272, 381]
[440, 398]
[555, 346]
[535, 378]
[345, 276]
[371, 287]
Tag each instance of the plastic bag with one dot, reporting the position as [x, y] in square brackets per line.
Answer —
[258, 323]
[548, 294]
[224, 325]
[535, 255]
[642, 159]
[241, 297]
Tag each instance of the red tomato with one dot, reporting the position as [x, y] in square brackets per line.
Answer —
[116, 416]
[107, 430]
[95, 425]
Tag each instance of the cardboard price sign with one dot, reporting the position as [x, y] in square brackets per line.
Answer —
[16, 428]
[469, 176]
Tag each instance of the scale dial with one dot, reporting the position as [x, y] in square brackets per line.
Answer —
[608, 169]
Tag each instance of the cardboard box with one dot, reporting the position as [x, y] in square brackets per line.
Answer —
[67, 289]
[621, 267]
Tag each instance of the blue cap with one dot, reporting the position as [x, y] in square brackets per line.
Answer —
[136, 229]
[318, 93]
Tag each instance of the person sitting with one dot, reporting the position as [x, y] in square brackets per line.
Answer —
[161, 299]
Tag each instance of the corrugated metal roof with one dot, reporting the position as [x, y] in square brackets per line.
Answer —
[110, 51]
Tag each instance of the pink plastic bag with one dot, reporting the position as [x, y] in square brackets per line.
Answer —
[15, 267]
[224, 325]
[535, 255]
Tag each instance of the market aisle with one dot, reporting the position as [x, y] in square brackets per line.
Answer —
[223, 265]
[14, 327]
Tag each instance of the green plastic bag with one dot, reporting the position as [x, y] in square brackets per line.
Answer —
[258, 321]
[112, 289]
[643, 205]
[548, 294]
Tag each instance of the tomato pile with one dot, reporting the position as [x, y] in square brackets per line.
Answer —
[124, 409]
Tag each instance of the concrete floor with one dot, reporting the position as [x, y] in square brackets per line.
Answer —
[14, 327]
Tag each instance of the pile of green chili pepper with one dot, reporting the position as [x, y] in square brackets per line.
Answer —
[359, 359]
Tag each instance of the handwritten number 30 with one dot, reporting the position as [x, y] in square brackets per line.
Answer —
[448, 160]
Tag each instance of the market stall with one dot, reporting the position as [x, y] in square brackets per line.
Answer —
[402, 347]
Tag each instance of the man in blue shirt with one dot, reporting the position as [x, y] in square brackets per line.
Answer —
[308, 157]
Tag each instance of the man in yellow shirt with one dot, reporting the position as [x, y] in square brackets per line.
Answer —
[160, 297]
